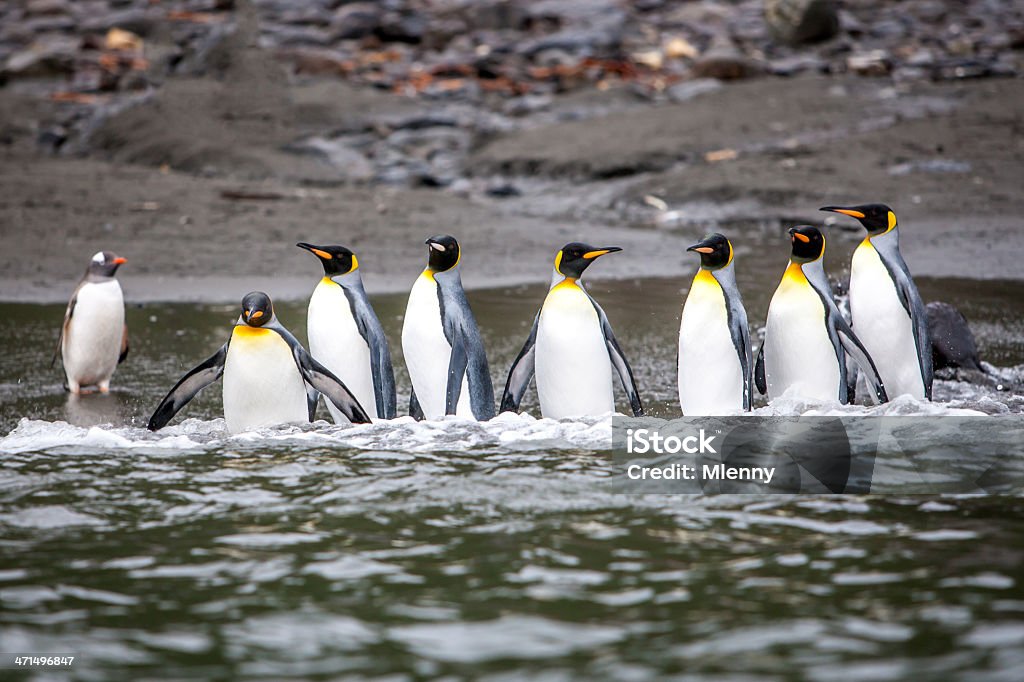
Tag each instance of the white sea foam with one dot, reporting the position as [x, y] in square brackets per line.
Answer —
[507, 431]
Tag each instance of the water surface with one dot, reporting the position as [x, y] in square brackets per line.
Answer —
[404, 551]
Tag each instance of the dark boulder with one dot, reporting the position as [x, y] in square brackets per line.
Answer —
[952, 341]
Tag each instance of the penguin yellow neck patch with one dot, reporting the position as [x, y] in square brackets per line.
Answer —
[794, 275]
[244, 331]
[566, 283]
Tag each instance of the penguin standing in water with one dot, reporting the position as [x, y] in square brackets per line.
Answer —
[714, 341]
[571, 348]
[885, 307]
[441, 342]
[269, 378]
[93, 339]
[345, 334]
[806, 335]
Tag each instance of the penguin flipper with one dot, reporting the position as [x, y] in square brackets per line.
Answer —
[323, 380]
[312, 398]
[620, 363]
[64, 326]
[457, 364]
[383, 375]
[521, 372]
[759, 380]
[853, 346]
[415, 410]
[187, 387]
[911, 300]
[124, 345]
[381, 370]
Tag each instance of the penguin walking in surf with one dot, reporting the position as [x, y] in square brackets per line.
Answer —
[806, 338]
[269, 378]
[93, 339]
[885, 308]
[345, 334]
[441, 342]
[571, 348]
[714, 341]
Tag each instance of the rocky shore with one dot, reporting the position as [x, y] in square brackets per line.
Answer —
[195, 131]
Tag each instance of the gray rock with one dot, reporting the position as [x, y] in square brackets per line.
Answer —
[496, 15]
[356, 20]
[801, 21]
[953, 343]
[724, 61]
[402, 27]
[687, 90]
[53, 57]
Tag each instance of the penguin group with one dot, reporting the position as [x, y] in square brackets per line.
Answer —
[269, 378]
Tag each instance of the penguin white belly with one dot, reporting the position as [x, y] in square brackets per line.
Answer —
[92, 342]
[262, 384]
[428, 353]
[574, 373]
[883, 324]
[798, 353]
[710, 373]
[335, 341]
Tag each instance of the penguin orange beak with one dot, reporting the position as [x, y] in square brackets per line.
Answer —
[794, 235]
[316, 251]
[853, 213]
[120, 261]
[256, 315]
[589, 255]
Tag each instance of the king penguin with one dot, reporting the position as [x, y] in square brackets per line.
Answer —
[714, 341]
[806, 338]
[269, 378]
[93, 339]
[345, 334]
[441, 342]
[885, 307]
[571, 348]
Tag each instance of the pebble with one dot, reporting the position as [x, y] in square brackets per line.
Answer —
[801, 21]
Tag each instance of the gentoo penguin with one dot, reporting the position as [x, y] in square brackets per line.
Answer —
[345, 334]
[885, 308]
[93, 340]
[806, 335]
[442, 345]
[269, 378]
[571, 348]
[714, 342]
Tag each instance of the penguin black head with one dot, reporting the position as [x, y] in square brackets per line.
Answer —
[105, 264]
[808, 243]
[337, 260]
[876, 218]
[257, 309]
[575, 257]
[715, 251]
[444, 253]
